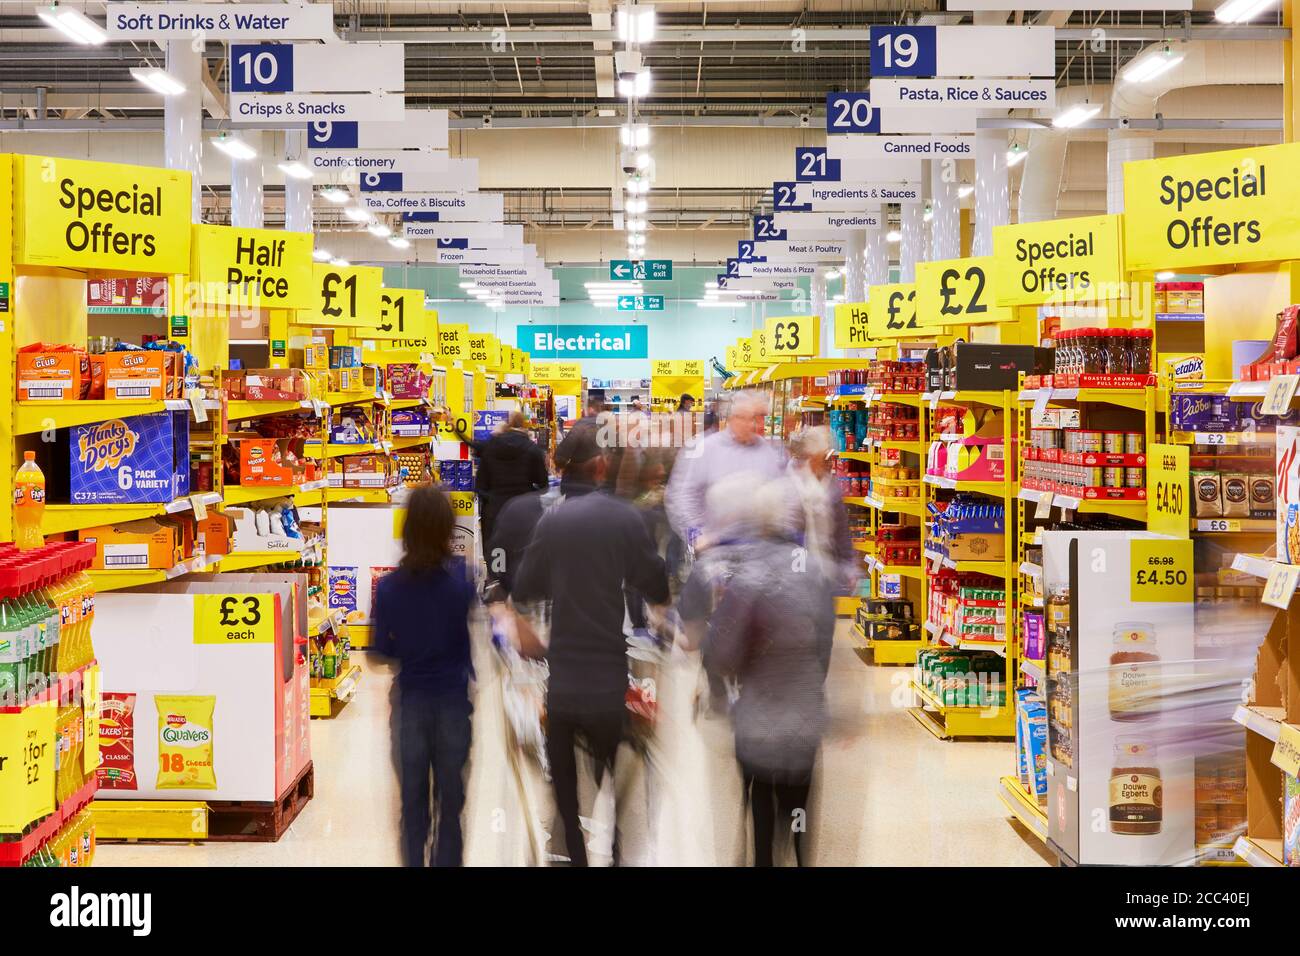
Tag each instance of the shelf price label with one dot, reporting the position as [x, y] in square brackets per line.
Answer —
[1218, 525]
[234, 619]
[1281, 584]
[1160, 571]
[1286, 752]
[27, 750]
[958, 292]
[891, 311]
[1281, 389]
[462, 503]
[792, 335]
[1168, 507]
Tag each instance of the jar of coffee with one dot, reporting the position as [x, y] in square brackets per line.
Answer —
[1134, 684]
[1136, 797]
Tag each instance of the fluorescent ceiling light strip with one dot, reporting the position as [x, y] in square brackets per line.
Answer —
[158, 80]
[1076, 115]
[73, 24]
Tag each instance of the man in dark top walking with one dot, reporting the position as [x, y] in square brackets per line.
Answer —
[584, 552]
[510, 464]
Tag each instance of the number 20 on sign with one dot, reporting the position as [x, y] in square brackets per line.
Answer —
[231, 619]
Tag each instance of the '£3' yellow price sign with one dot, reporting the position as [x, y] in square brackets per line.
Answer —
[230, 619]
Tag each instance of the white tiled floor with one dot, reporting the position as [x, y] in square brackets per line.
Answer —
[888, 792]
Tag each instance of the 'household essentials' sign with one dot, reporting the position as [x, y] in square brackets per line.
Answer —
[585, 341]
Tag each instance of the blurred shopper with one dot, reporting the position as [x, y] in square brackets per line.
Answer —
[735, 531]
[820, 512]
[584, 553]
[584, 432]
[420, 618]
[686, 404]
[510, 464]
[771, 631]
[739, 448]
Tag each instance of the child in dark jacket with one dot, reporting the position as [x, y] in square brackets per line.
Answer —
[421, 619]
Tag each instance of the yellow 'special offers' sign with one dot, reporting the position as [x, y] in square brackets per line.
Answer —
[556, 371]
[1239, 205]
[252, 268]
[1059, 260]
[86, 215]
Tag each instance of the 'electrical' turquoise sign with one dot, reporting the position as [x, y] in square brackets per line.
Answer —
[585, 341]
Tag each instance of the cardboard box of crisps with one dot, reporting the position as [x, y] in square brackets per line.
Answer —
[214, 533]
[146, 543]
[51, 375]
[136, 375]
[266, 461]
[186, 533]
[976, 546]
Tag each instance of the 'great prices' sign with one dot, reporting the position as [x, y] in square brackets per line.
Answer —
[256, 268]
[1059, 260]
[1240, 205]
[87, 215]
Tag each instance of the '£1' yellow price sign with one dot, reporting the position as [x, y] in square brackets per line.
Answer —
[230, 619]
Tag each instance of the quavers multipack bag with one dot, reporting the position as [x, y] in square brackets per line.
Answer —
[185, 744]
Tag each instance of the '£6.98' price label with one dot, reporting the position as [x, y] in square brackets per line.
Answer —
[234, 619]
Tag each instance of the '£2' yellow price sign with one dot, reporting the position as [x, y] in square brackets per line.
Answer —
[891, 311]
[231, 619]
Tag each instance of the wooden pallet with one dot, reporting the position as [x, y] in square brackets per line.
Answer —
[246, 821]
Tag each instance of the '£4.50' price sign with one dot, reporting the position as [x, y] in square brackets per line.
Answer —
[1160, 571]
[230, 619]
[1168, 507]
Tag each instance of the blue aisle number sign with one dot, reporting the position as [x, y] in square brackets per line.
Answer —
[851, 113]
[649, 269]
[903, 51]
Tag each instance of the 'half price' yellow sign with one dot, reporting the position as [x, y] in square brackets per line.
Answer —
[851, 326]
[252, 268]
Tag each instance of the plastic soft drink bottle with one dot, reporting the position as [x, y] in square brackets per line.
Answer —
[29, 503]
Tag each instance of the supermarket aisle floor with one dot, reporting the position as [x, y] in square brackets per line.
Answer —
[889, 792]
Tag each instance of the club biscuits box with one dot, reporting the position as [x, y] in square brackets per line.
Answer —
[51, 374]
[136, 374]
[133, 460]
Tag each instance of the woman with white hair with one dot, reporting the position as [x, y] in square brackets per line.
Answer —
[771, 632]
[819, 511]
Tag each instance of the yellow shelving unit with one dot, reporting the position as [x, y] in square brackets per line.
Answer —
[993, 721]
[31, 418]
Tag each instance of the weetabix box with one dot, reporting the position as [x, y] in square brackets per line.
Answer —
[133, 460]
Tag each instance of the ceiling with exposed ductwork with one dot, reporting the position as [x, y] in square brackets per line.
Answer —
[736, 86]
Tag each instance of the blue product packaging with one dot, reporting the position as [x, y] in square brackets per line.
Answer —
[134, 460]
[343, 589]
